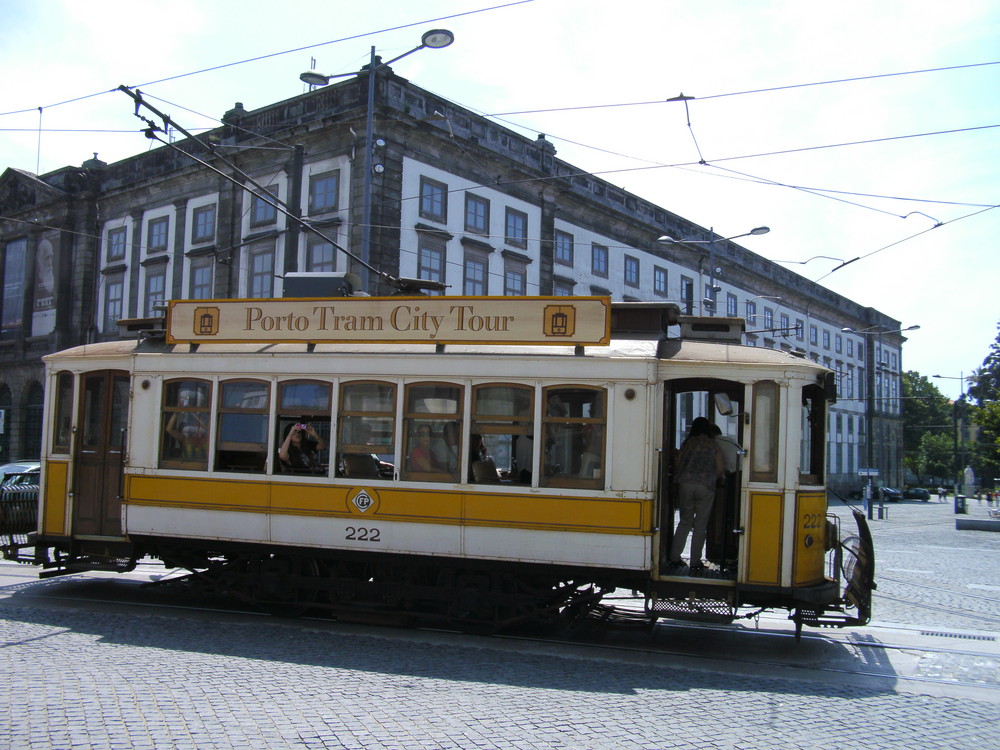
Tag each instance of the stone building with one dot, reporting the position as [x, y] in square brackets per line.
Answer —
[452, 198]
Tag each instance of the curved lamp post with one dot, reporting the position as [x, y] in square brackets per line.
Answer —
[433, 39]
[709, 302]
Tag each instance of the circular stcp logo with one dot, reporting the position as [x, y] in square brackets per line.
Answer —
[363, 501]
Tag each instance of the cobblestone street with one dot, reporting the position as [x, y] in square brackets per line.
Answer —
[109, 679]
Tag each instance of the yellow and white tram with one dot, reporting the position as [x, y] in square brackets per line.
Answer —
[484, 461]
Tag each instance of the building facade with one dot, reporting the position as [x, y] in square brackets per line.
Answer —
[451, 198]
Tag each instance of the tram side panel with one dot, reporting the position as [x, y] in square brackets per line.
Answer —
[581, 528]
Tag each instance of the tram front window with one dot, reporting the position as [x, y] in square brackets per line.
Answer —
[812, 449]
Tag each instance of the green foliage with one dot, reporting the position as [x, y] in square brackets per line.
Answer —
[926, 414]
[935, 456]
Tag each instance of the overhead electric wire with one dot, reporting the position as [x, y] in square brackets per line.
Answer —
[786, 87]
[278, 54]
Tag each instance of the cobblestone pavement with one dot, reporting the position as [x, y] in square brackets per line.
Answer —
[929, 574]
[80, 678]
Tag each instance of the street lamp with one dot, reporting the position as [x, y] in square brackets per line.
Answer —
[875, 362]
[709, 301]
[433, 39]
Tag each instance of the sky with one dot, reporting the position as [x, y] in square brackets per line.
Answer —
[854, 130]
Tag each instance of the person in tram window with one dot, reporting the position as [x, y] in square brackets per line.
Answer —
[422, 456]
[300, 449]
[698, 466]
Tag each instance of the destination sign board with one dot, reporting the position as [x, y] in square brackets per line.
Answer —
[435, 320]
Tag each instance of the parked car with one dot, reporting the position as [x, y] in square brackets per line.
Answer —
[18, 501]
[891, 495]
[917, 493]
[19, 472]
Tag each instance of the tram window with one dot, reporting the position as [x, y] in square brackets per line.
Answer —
[573, 437]
[432, 431]
[93, 413]
[303, 450]
[119, 412]
[764, 452]
[241, 443]
[501, 444]
[62, 427]
[811, 451]
[185, 419]
[366, 430]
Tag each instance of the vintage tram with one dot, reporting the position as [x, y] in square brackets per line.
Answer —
[482, 462]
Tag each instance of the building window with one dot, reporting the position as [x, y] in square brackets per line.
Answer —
[599, 260]
[262, 210]
[800, 329]
[813, 335]
[687, 295]
[477, 214]
[156, 234]
[562, 288]
[516, 228]
[784, 325]
[515, 279]
[324, 192]
[751, 312]
[476, 274]
[260, 270]
[768, 318]
[838, 343]
[155, 289]
[659, 281]
[114, 298]
[203, 224]
[433, 200]
[564, 248]
[320, 257]
[117, 240]
[850, 347]
[631, 271]
[826, 339]
[201, 286]
[732, 305]
[430, 259]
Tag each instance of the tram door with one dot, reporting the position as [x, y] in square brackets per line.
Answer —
[99, 461]
[721, 402]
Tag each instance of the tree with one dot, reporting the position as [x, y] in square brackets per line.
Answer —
[935, 457]
[926, 412]
[984, 391]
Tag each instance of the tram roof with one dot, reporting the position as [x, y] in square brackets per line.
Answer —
[666, 349]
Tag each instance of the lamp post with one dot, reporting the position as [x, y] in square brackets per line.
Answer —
[433, 39]
[875, 360]
[709, 301]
